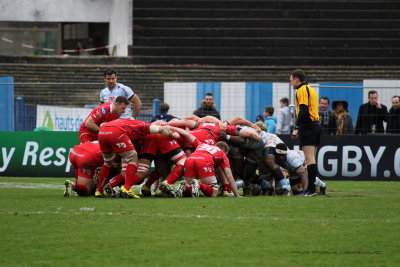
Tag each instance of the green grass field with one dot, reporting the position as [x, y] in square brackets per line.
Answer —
[356, 224]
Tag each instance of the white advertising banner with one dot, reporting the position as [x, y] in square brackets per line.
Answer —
[61, 118]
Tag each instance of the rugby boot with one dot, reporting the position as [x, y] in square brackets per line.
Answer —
[195, 188]
[128, 193]
[181, 189]
[169, 188]
[145, 190]
[322, 190]
[69, 186]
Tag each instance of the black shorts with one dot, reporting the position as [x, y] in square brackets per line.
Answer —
[310, 134]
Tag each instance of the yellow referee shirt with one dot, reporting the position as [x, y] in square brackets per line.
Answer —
[309, 98]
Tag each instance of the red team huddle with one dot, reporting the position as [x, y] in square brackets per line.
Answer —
[125, 148]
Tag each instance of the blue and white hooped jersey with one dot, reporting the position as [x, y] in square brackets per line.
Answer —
[120, 90]
[271, 140]
[294, 160]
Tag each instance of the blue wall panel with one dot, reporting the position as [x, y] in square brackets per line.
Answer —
[7, 104]
[258, 95]
[204, 88]
[353, 96]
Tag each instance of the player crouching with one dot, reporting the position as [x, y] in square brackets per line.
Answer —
[200, 164]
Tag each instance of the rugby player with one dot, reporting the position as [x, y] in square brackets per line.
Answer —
[295, 163]
[116, 137]
[161, 149]
[90, 127]
[200, 165]
[84, 158]
[114, 89]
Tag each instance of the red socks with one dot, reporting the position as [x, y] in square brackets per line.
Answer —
[117, 180]
[206, 189]
[188, 192]
[152, 178]
[81, 190]
[227, 188]
[176, 173]
[103, 175]
[131, 176]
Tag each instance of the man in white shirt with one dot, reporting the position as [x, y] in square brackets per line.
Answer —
[114, 89]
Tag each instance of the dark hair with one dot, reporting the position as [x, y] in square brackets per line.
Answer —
[324, 98]
[210, 94]
[109, 72]
[269, 110]
[300, 74]
[398, 97]
[260, 118]
[281, 146]
[284, 100]
[372, 92]
[122, 99]
[164, 107]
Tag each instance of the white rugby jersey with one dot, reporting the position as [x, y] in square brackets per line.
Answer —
[119, 90]
[294, 160]
[271, 140]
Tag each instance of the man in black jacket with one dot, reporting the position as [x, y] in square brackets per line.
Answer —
[326, 117]
[371, 115]
[207, 107]
[393, 123]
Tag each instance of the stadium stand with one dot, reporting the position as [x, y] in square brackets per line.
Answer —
[148, 81]
[288, 32]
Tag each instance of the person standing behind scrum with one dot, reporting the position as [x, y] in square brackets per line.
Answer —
[371, 115]
[163, 115]
[344, 121]
[307, 124]
[207, 107]
[393, 124]
[114, 89]
[283, 124]
[326, 117]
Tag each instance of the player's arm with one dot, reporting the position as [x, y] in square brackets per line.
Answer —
[235, 139]
[192, 117]
[137, 105]
[244, 122]
[183, 123]
[249, 134]
[229, 176]
[187, 135]
[92, 125]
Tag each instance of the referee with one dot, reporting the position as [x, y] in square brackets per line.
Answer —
[307, 124]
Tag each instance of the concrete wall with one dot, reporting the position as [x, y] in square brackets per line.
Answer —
[118, 13]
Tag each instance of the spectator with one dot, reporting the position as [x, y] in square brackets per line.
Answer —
[371, 115]
[260, 118]
[270, 119]
[393, 122]
[326, 117]
[344, 122]
[163, 115]
[114, 89]
[207, 107]
[283, 124]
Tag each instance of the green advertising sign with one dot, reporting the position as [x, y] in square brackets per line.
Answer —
[36, 154]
